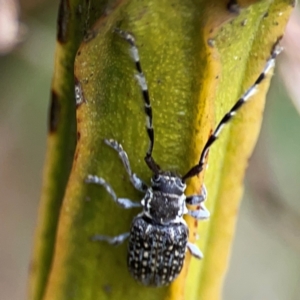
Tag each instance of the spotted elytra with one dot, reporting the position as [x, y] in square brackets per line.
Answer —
[158, 238]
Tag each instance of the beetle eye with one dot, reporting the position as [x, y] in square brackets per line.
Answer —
[156, 178]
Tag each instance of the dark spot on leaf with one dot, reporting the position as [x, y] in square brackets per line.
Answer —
[233, 7]
[75, 156]
[63, 21]
[78, 136]
[54, 112]
[266, 14]
[244, 22]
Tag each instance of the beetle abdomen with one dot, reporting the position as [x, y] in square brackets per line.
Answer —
[156, 252]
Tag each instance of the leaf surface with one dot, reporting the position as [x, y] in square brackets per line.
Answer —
[198, 59]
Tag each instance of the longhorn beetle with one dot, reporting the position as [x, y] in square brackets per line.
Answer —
[158, 238]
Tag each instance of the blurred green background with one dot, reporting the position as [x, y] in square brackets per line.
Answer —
[265, 261]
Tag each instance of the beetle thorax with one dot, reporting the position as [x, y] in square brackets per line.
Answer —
[164, 201]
